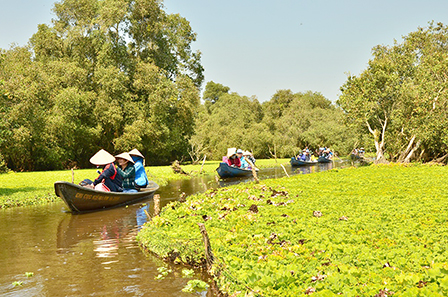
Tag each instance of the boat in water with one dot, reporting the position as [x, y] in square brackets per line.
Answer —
[323, 160]
[295, 162]
[224, 171]
[81, 199]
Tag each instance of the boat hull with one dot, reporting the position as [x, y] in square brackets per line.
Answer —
[323, 160]
[224, 171]
[81, 199]
[295, 162]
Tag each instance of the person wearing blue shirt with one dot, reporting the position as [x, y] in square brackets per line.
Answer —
[141, 179]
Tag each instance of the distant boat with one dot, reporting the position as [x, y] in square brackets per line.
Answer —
[323, 160]
[81, 199]
[295, 162]
[224, 170]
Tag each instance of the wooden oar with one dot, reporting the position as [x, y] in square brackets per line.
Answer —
[254, 170]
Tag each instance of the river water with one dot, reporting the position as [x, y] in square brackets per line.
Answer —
[96, 254]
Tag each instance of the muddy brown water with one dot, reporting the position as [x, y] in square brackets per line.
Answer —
[96, 254]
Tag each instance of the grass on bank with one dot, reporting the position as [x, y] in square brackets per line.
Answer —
[382, 229]
[33, 188]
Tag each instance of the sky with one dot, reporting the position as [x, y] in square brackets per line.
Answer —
[257, 47]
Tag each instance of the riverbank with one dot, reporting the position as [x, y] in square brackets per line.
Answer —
[355, 232]
[34, 188]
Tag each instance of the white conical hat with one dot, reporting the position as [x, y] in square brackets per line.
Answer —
[125, 156]
[231, 152]
[135, 152]
[102, 157]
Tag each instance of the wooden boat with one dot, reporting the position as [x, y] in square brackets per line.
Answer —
[82, 199]
[224, 171]
[295, 162]
[323, 160]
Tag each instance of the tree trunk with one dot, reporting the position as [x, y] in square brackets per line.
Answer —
[440, 160]
[411, 153]
[273, 154]
[405, 153]
[379, 145]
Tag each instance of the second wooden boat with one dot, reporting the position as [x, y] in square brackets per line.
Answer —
[224, 171]
[295, 162]
[323, 160]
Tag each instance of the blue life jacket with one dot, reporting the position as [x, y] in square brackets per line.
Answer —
[140, 175]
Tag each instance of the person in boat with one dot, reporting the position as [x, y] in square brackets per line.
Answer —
[321, 152]
[248, 155]
[243, 160]
[327, 153]
[109, 176]
[302, 157]
[141, 179]
[127, 172]
[307, 155]
[239, 154]
[361, 152]
[232, 159]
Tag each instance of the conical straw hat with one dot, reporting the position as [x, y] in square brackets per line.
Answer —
[231, 152]
[125, 156]
[102, 157]
[135, 152]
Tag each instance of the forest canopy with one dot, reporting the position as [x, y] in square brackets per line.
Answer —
[401, 98]
[115, 74]
[280, 127]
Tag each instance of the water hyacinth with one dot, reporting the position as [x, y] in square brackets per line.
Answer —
[328, 233]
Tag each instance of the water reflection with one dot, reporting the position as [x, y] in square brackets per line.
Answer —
[141, 215]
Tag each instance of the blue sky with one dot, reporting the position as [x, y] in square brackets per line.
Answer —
[259, 47]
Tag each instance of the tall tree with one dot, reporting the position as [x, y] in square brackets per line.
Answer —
[401, 97]
[113, 74]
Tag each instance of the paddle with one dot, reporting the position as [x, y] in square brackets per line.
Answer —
[254, 170]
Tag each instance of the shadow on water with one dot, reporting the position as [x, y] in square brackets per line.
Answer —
[96, 253]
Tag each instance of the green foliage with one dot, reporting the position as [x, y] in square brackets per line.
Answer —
[195, 285]
[114, 74]
[381, 228]
[187, 272]
[213, 91]
[279, 127]
[163, 272]
[305, 119]
[3, 167]
[17, 283]
[401, 99]
[228, 123]
[29, 274]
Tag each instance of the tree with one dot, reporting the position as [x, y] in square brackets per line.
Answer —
[114, 74]
[213, 91]
[228, 123]
[401, 96]
[297, 120]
